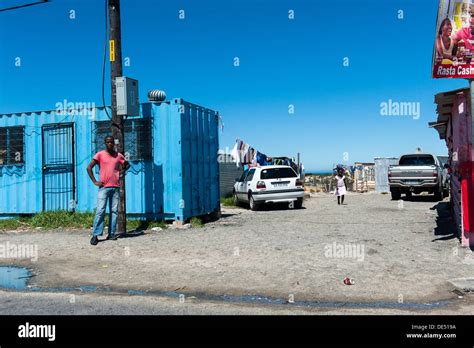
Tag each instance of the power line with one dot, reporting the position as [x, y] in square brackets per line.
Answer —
[25, 5]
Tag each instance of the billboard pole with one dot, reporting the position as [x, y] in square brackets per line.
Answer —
[115, 48]
[467, 238]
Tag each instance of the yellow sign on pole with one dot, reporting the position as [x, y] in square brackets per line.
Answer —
[112, 50]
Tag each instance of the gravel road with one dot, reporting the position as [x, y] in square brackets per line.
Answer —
[395, 251]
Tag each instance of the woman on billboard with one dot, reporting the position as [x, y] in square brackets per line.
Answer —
[445, 46]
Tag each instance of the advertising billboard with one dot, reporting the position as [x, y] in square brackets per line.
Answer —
[454, 43]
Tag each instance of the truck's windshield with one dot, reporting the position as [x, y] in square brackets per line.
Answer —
[417, 160]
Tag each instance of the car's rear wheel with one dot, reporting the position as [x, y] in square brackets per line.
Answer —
[438, 195]
[253, 205]
[298, 203]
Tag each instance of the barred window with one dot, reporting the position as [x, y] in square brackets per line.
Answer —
[12, 145]
[137, 138]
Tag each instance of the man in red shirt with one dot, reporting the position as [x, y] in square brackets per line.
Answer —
[466, 34]
[112, 164]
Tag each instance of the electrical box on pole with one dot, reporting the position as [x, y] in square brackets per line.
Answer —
[127, 96]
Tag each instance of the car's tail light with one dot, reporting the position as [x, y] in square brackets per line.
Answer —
[299, 182]
[389, 174]
[435, 173]
[261, 185]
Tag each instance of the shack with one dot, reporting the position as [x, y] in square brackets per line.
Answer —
[454, 125]
[228, 172]
[381, 173]
[171, 146]
[363, 177]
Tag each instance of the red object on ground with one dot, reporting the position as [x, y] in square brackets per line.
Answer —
[348, 281]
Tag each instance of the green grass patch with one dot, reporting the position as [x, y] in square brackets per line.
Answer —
[228, 201]
[15, 224]
[196, 222]
[64, 219]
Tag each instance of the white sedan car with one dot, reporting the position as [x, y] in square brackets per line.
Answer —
[269, 184]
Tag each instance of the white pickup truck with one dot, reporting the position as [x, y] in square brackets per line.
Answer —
[416, 173]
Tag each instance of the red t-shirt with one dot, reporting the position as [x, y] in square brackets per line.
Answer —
[109, 167]
[465, 35]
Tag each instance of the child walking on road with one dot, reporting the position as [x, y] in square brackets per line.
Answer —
[341, 187]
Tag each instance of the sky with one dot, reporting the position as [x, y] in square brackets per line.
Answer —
[314, 83]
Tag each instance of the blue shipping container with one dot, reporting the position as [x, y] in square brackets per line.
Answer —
[172, 148]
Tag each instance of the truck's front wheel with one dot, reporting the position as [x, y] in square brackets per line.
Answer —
[396, 194]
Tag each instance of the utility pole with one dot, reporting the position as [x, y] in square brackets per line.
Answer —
[115, 52]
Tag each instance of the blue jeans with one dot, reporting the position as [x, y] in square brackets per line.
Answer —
[112, 195]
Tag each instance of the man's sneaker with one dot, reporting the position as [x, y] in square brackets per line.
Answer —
[111, 237]
[94, 240]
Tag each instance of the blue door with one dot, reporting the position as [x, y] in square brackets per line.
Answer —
[58, 167]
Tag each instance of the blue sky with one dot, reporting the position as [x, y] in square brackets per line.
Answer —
[282, 62]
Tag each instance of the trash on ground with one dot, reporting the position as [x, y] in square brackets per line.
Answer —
[349, 281]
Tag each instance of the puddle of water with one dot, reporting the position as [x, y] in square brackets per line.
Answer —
[17, 278]
[84, 288]
[323, 304]
[14, 277]
[311, 304]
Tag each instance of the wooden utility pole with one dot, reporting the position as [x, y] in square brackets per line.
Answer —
[115, 53]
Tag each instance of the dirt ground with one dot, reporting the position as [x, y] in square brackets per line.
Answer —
[407, 253]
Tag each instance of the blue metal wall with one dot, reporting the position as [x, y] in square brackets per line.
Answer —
[180, 182]
[192, 176]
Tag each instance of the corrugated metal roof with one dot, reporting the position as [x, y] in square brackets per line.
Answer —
[445, 102]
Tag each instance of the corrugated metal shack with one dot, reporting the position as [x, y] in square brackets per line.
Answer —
[381, 173]
[172, 148]
[228, 172]
[454, 125]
